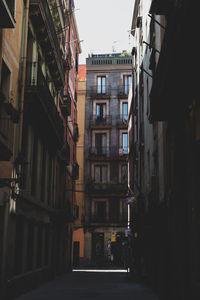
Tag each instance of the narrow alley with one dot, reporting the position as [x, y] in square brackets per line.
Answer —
[99, 150]
[96, 284]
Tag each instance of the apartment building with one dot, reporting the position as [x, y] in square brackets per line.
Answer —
[72, 51]
[39, 66]
[78, 233]
[108, 78]
[10, 29]
[164, 142]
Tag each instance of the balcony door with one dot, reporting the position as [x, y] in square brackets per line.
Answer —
[127, 83]
[101, 84]
[101, 173]
[98, 248]
[114, 209]
[125, 142]
[124, 112]
[100, 210]
[100, 112]
[100, 143]
[124, 174]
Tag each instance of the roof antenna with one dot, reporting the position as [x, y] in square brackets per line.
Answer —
[113, 46]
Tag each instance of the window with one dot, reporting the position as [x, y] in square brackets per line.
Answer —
[4, 96]
[124, 173]
[39, 243]
[125, 143]
[114, 209]
[101, 84]
[124, 111]
[30, 246]
[19, 239]
[100, 173]
[100, 112]
[101, 109]
[5, 81]
[100, 210]
[127, 82]
[50, 170]
[34, 164]
[43, 173]
[100, 143]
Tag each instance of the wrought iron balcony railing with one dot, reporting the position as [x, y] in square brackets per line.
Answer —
[100, 120]
[37, 85]
[123, 91]
[65, 154]
[99, 92]
[108, 151]
[106, 187]
[122, 120]
[68, 59]
[108, 220]
[98, 219]
[75, 171]
[75, 132]
[66, 105]
[45, 31]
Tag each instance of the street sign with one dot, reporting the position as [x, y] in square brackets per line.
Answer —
[113, 237]
[127, 231]
[129, 199]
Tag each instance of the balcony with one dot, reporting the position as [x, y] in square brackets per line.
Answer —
[108, 220]
[6, 135]
[68, 60]
[68, 12]
[7, 13]
[108, 153]
[97, 93]
[98, 219]
[46, 34]
[66, 105]
[65, 154]
[75, 171]
[106, 188]
[8, 116]
[123, 91]
[122, 121]
[75, 132]
[39, 100]
[100, 121]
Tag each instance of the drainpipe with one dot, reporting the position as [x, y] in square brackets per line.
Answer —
[1, 41]
[23, 75]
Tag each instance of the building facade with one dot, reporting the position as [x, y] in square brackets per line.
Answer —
[39, 66]
[108, 79]
[10, 29]
[78, 233]
[164, 141]
[72, 51]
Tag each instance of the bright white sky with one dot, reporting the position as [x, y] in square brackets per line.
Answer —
[104, 26]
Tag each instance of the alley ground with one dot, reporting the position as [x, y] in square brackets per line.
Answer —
[92, 285]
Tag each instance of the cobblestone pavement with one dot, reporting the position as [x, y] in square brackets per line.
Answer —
[91, 285]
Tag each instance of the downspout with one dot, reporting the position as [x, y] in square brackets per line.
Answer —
[23, 74]
[1, 41]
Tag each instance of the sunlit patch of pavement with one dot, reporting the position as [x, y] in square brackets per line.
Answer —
[101, 270]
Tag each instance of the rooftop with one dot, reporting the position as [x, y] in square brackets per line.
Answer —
[110, 59]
